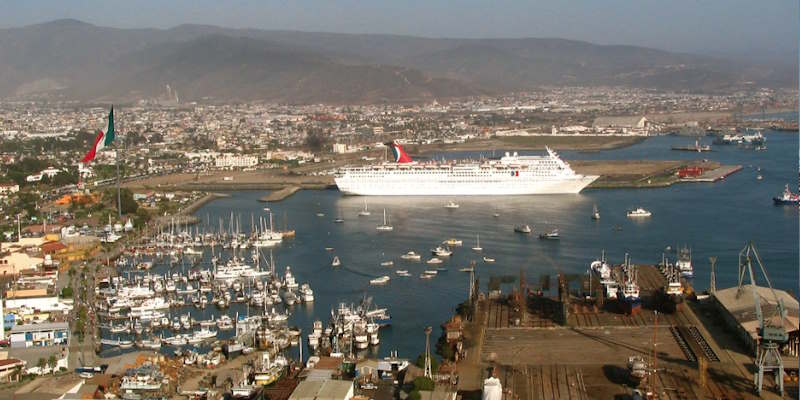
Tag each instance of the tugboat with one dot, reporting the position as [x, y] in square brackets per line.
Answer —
[787, 198]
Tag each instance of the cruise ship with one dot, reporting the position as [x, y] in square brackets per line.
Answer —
[512, 174]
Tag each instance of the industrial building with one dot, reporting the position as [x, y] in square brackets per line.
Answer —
[738, 310]
[38, 335]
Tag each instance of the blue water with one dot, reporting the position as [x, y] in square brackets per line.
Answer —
[714, 219]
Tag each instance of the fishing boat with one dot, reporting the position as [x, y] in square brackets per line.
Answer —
[552, 235]
[477, 247]
[365, 212]
[684, 263]
[451, 205]
[787, 198]
[385, 227]
[488, 259]
[434, 260]
[411, 256]
[336, 262]
[380, 281]
[524, 228]
[595, 213]
[639, 213]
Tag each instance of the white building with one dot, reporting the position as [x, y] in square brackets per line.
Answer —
[8, 188]
[229, 160]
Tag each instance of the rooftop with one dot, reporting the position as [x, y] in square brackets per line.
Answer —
[322, 390]
[47, 326]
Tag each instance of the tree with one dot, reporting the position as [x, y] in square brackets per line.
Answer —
[421, 363]
[316, 139]
[423, 383]
[67, 292]
[52, 361]
[41, 363]
[129, 205]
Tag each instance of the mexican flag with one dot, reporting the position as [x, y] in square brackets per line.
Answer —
[103, 139]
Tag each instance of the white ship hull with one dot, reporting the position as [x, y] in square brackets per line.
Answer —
[510, 175]
[446, 186]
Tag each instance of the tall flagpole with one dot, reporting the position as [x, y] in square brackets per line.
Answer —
[119, 196]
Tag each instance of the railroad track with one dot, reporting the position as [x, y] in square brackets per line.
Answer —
[707, 350]
[682, 344]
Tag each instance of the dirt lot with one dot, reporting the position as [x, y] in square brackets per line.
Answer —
[585, 143]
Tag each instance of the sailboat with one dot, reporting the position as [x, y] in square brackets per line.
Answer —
[595, 213]
[365, 211]
[478, 247]
[385, 227]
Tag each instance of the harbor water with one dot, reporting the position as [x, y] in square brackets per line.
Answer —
[714, 219]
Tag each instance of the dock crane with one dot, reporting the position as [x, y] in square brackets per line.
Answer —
[771, 331]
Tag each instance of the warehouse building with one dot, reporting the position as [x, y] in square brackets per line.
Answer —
[39, 335]
[739, 312]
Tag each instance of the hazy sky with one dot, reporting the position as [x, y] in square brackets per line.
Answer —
[738, 27]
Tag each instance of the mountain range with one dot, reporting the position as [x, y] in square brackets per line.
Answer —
[71, 59]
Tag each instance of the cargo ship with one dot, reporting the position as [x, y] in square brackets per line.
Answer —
[511, 174]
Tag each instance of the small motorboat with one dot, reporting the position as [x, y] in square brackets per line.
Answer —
[320, 214]
[380, 281]
[524, 228]
[639, 213]
[336, 262]
[329, 249]
[435, 260]
[411, 256]
[488, 259]
[466, 269]
[595, 213]
[387, 263]
[402, 272]
[440, 251]
[451, 205]
[552, 235]
[338, 220]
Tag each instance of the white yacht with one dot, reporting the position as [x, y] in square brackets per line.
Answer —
[639, 212]
[380, 281]
[411, 256]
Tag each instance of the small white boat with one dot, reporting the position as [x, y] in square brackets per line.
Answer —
[524, 228]
[595, 213]
[411, 256]
[466, 269]
[435, 260]
[451, 205]
[440, 251]
[759, 177]
[387, 263]
[336, 262]
[365, 212]
[402, 272]
[488, 259]
[639, 212]
[338, 220]
[320, 214]
[431, 272]
[478, 247]
[380, 281]
[426, 276]
[385, 227]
